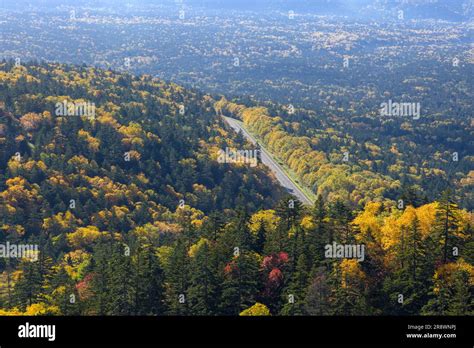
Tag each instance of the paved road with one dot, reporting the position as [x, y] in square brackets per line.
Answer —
[281, 176]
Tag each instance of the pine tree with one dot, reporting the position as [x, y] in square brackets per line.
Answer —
[214, 226]
[203, 289]
[240, 286]
[445, 227]
[289, 210]
[148, 282]
[244, 237]
[28, 288]
[451, 296]
[462, 302]
[61, 292]
[99, 284]
[348, 295]
[177, 276]
[120, 283]
[341, 217]
[319, 236]
[411, 280]
[295, 294]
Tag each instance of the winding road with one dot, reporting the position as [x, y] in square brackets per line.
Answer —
[268, 160]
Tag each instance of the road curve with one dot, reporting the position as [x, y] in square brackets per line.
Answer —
[280, 174]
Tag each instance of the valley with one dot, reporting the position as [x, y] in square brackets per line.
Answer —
[129, 133]
[281, 174]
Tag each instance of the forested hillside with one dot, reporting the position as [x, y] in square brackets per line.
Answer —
[363, 158]
[134, 215]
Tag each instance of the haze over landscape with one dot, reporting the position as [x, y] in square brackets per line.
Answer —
[215, 157]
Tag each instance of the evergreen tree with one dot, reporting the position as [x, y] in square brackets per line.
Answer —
[177, 276]
[240, 286]
[319, 236]
[341, 217]
[59, 290]
[445, 227]
[28, 288]
[120, 282]
[214, 226]
[289, 210]
[244, 237]
[295, 294]
[411, 280]
[148, 283]
[348, 295]
[100, 270]
[452, 295]
[203, 289]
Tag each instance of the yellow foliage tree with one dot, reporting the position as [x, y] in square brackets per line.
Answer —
[41, 309]
[258, 309]
[268, 217]
[84, 236]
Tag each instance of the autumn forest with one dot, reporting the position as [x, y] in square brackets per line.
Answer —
[134, 216]
[174, 159]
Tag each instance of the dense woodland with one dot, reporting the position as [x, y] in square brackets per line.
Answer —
[133, 214]
[359, 159]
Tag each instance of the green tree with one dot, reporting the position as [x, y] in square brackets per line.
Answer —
[411, 279]
[203, 290]
[177, 280]
[148, 282]
[120, 281]
[446, 225]
[240, 286]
